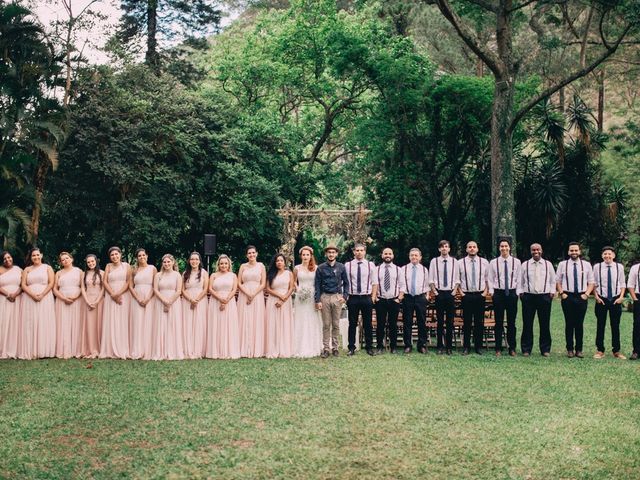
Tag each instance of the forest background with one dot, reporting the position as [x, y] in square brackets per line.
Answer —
[187, 127]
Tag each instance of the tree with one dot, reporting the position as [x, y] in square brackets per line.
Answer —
[614, 21]
[158, 20]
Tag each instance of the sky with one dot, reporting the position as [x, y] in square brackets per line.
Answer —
[51, 10]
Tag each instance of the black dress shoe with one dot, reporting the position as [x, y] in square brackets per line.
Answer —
[465, 351]
[324, 354]
[335, 352]
[393, 351]
[371, 352]
[407, 350]
[634, 356]
[512, 353]
[351, 353]
[478, 351]
[423, 350]
[449, 351]
[380, 350]
[441, 351]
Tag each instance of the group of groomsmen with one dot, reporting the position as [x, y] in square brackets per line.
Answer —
[389, 288]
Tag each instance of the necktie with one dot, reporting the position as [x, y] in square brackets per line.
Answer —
[506, 278]
[575, 277]
[473, 275]
[446, 275]
[359, 278]
[387, 279]
[609, 282]
[413, 279]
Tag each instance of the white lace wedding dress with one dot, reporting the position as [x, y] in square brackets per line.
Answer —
[307, 331]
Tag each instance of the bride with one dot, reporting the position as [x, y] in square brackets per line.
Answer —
[307, 320]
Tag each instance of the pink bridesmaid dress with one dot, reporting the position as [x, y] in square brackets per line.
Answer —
[279, 320]
[10, 313]
[141, 326]
[195, 319]
[38, 322]
[251, 317]
[167, 341]
[224, 338]
[92, 319]
[114, 342]
[69, 317]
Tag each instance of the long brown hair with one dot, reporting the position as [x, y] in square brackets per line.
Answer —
[312, 260]
[187, 271]
[96, 271]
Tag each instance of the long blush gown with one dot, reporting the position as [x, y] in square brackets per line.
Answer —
[10, 313]
[223, 339]
[92, 319]
[167, 342]
[69, 317]
[114, 342]
[38, 322]
[280, 320]
[307, 322]
[251, 317]
[142, 317]
[195, 320]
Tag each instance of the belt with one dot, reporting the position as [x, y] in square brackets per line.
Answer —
[359, 294]
[416, 295]
[472, 293]
[574, 293]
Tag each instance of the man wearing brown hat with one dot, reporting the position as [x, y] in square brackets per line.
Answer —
[331, 287]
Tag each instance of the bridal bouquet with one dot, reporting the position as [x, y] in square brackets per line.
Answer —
[304, 294]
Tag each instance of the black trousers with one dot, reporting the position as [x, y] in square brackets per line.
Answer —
[636, 326]
[574, 309]
[445, 311]
[615, 312]
[387, 310]
[533, 303]
[505, 303]
[356, 305]
[473, 314]
[414, 304]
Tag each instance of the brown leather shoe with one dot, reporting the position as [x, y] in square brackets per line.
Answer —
[619, 355]
[498, 353]
[598, 355]
[407, 350]
[579, 354]
[422, 349]
[526, 354]
[512, 353]
[546, 354]
[634, 356]
[324, 354]
[335, 352]
[570, 353]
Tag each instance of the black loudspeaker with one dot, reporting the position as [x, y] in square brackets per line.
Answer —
[209, 244]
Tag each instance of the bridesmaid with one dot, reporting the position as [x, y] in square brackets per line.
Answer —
[252, 278]
[307, 322]
[167, 339]
[279, 311]
[38, 323]
[93, 295]
[141, 289]
[10, 302]
[223, 339]
[194, 307]
[114, 342]
[67, 289]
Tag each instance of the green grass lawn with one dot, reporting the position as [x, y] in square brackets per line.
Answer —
[383, 417]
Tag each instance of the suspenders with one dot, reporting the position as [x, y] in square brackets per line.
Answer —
[368, 276]
[513, 272]
[566, 275]
[453, 266]
[617, 275]
[397, 288]
[466, 279]
[424, 277]
[546, 273]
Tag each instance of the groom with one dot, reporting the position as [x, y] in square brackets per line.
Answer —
[331, 287]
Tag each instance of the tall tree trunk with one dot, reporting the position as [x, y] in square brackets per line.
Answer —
[152, 57]
[502, 194]
[39, 180]
[561, 100]
[601, 101]
[479, 68]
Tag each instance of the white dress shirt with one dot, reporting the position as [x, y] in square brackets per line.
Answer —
[396, 280]
[367, 276]
[537, 277]
[565, 276]
[634, 279]
[496, 274]
[600, 274]
[466, 280]
[421, 279]
[436, 273]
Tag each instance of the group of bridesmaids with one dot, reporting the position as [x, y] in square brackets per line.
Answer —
[137, 312]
